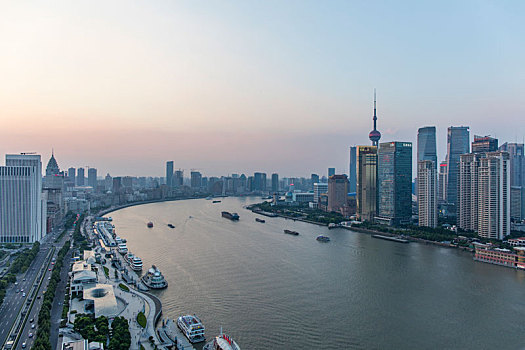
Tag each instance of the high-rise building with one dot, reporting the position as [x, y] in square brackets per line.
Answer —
[337, 192]
[394, 178]
[516, 153]
[517, 202]
[80, 177]
[196, 179]
[457, 144]
[366, 187]
[117, 185]
[468, 191]
[71, 174]
[127, 182]
[426, 144]
[352, 174]
[169, 173]
[178, 178]
[314, 178]
[484, 194]
[108, 183]
[374, 135]
[259, 182]
[484, 144]
[319, 189]
[494, 196]
[331, 172]
[22, 206]
[92, 178]
[275, 183]
[442, 183]
[427, 193]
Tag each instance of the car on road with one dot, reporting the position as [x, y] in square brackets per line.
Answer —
[21, 289]
[24, 280]
[49, 269]
[30, 335]
[16, 283]
[23, 294]
[32, 320]
[33, 326]
[38, 297]
[24, 345]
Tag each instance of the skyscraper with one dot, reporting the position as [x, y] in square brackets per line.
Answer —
[331, 171]
[484, 194]
[427, 193]
[71, 174]
[352, 174]
[337, 192]
[483, 144]
[169, 173]
[517, 178]
[374, 135]
[319, 189]
[314, 178]
[275, 183]
[22, 208]
[494, 196]
[442, 183]
[178, 178]
[80, 177]
[92, 178]
[457, 144]
[259, 182]
[426, 144]
[394, 175]
[196, 180]
[366, 182]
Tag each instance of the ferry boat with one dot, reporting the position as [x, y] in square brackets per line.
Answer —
[231, 216]
[171, 226]
[222, 342]
[260, 220]
[192, 328]
[290, 232]
[123, 248]
[322, 238]
[216, 201]
[150, 224]
[153, 279]
[134, 261]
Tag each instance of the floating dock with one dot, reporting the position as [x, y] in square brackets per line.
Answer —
[393, 239]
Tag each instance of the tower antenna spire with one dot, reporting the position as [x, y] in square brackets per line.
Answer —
[374, 135]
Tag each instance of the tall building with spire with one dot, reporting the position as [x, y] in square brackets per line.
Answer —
[374, 135]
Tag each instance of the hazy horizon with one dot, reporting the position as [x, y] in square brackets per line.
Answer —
[251, 86]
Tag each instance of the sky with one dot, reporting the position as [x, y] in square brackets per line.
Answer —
[242, 86]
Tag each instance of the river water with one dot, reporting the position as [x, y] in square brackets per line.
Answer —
[269, 290]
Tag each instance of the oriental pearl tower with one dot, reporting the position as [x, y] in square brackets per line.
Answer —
[374, 135]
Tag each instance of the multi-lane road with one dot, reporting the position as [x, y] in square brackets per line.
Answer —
[19, 294]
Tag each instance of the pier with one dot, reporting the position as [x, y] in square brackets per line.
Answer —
[393, 239]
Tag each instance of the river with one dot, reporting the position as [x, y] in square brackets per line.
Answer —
[269, 290]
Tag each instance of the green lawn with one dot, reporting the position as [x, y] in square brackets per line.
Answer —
[123, 287]
[141, 319]
[106, 271]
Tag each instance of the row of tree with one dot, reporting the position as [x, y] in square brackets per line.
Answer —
[21, 264]
[97, 329]
[42, 341]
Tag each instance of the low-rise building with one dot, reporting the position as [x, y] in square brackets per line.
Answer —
[505, 257]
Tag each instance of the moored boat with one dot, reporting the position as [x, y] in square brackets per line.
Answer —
[154, 279]
[290, 232]
[192, 327]
[123, 248]
[222, 342]
[322, 238]
[134, 262]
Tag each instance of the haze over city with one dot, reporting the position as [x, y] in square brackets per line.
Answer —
[247, 86]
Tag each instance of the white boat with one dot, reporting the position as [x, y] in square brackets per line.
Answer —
[192, 328]
[154, 279]
[222, 342]
[123, 248]
[134, 262]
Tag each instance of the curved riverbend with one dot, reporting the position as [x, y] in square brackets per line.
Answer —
[272, 290]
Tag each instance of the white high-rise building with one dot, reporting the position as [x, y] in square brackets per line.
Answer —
[22, 208]
[319, 188]
[484, 194]
[494, 196]
[427, 193]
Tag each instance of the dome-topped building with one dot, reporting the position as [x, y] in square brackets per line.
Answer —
[374, 135]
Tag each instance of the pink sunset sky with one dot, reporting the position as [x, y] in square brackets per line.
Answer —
[245, 86]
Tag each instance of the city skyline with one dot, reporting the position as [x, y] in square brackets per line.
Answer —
[293, 83]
